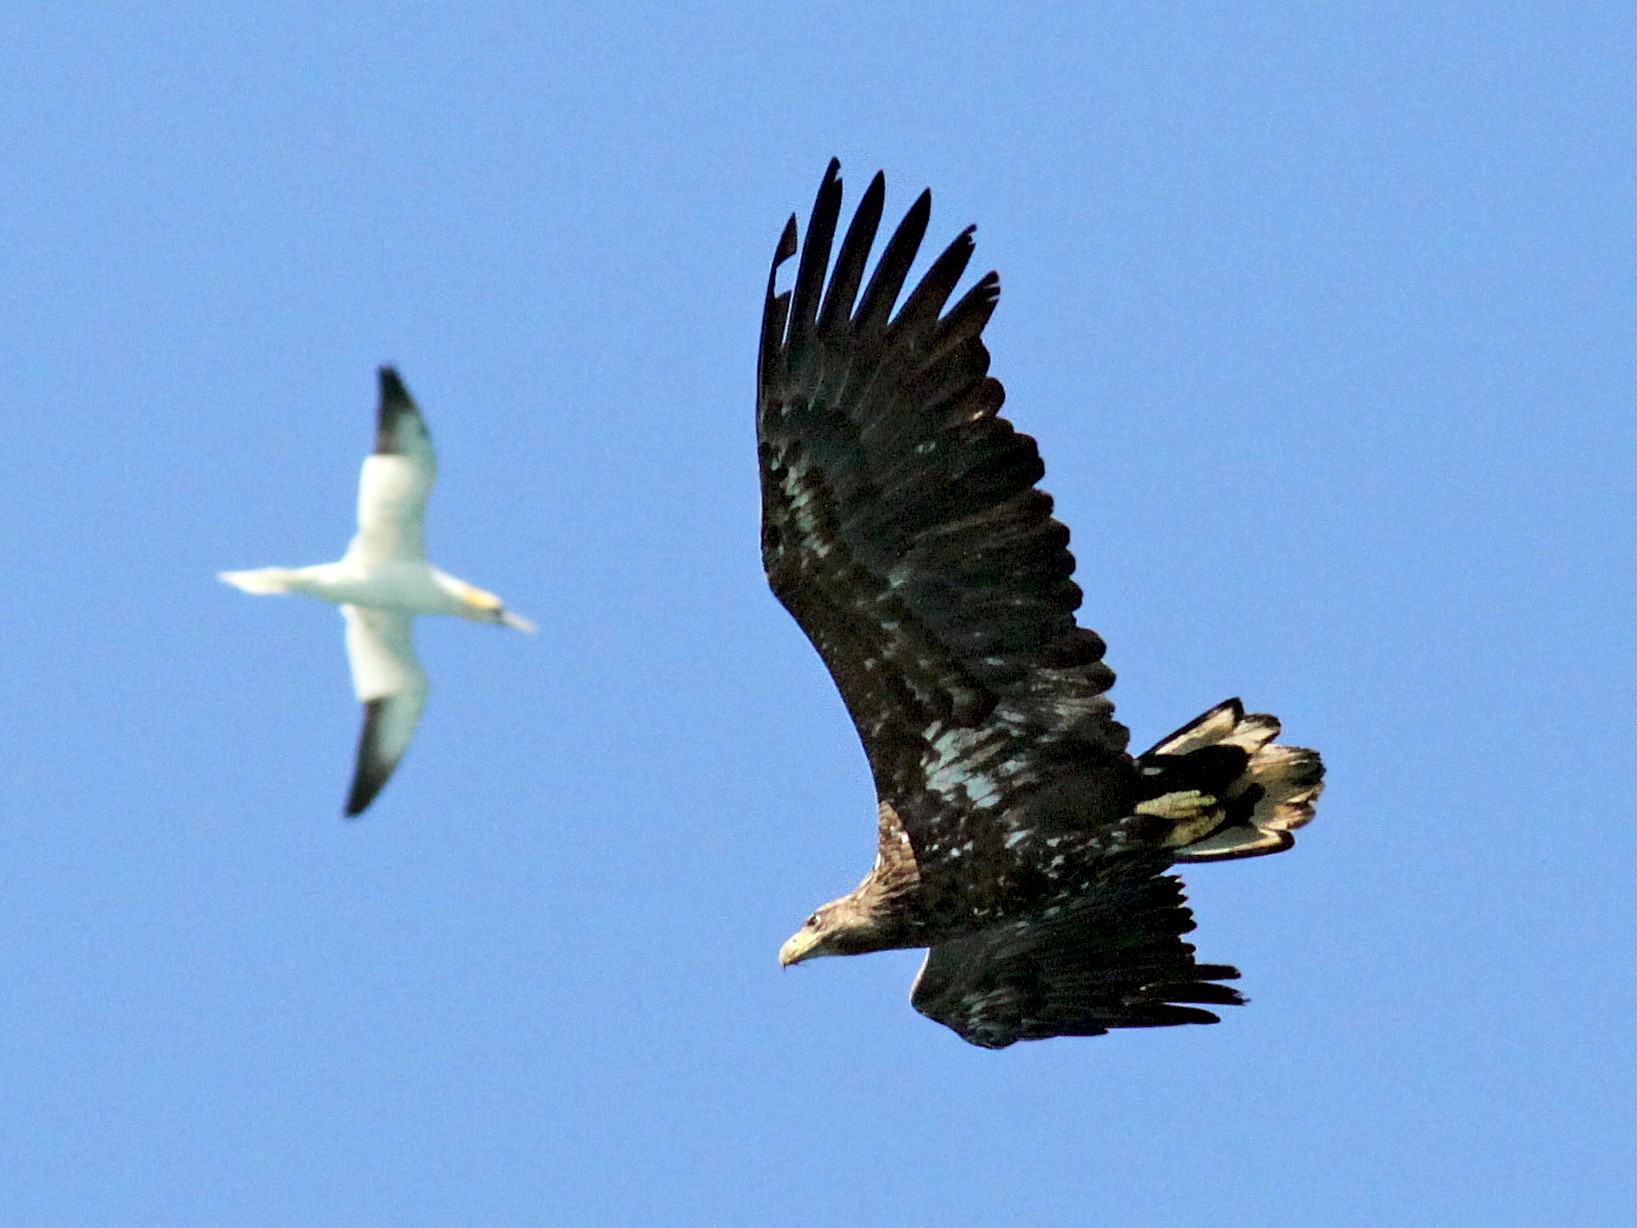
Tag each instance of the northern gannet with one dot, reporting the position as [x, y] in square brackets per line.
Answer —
[381, 584]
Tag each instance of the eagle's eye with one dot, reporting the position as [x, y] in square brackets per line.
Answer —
[812, 922]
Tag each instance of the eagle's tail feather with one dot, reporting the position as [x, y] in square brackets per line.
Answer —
[1229, 788]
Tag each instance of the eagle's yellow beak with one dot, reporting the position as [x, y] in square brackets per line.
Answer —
[802, 946]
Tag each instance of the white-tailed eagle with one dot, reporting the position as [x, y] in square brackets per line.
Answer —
[901, 527]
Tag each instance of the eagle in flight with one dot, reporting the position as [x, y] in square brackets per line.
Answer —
[901, 527]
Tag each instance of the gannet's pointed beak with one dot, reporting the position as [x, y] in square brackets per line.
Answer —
[509, 619]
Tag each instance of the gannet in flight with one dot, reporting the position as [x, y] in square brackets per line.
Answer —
[381, 584]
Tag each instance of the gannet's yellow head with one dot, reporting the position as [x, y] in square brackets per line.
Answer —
[485, 607]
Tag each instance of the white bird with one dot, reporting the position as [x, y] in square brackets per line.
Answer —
[381, 584]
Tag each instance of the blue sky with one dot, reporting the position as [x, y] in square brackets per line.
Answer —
[1323, 317]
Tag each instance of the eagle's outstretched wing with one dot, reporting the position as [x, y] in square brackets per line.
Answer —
[902, 529]
[1079, 968]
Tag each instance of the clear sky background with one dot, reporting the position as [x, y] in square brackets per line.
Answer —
[1323, 316]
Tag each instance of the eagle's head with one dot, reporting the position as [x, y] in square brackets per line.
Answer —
[841, 927]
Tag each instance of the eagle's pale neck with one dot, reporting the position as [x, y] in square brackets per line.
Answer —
[878, 914]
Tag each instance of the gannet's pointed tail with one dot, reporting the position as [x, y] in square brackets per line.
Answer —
[1231, 790]
[263, 581]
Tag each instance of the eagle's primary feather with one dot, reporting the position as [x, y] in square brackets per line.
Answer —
[902, 528]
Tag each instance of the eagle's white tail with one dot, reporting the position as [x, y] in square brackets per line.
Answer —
[263, 581]
[1233, 791]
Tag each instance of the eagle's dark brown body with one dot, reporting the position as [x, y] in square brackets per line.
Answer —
[902, 528]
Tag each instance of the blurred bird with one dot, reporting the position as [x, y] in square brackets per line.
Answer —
[381, 584]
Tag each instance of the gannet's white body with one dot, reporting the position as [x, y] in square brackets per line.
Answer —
[381, 584]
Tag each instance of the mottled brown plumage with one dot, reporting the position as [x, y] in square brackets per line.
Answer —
[901, 527]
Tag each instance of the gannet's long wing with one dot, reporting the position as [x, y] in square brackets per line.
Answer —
[392, 686]
[395, 481]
